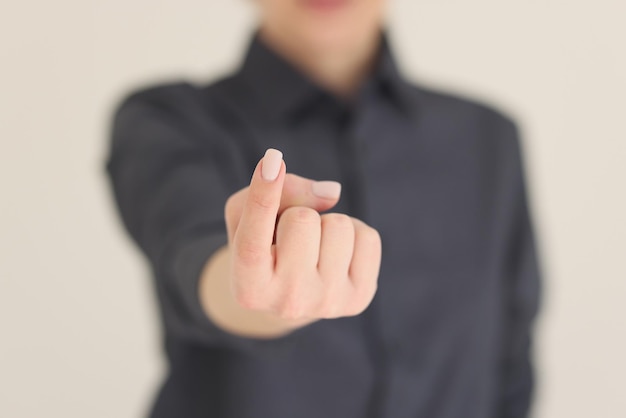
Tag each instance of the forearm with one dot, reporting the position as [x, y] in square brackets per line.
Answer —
[222, 308]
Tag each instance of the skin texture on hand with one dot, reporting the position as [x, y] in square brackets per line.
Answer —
[286, 265]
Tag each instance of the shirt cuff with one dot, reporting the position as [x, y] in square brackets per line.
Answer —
[188, 266]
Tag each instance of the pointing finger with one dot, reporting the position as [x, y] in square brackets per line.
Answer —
[255, 232]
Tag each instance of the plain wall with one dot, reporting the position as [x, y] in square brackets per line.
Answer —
[79, 335]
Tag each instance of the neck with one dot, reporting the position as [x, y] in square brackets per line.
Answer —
[339, 70]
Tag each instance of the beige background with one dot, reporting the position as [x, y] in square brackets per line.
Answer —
[78, 336]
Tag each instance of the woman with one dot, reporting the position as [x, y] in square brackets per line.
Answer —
[267, 300]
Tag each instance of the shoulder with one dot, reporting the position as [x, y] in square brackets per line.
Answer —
[174, 99]
[472, 114]
[179, 93]
[447, 102]
[182, 105]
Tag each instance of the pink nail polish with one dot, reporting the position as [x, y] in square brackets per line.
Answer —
[272, 162]
[326, 189]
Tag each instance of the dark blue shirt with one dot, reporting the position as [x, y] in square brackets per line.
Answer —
[441, 179]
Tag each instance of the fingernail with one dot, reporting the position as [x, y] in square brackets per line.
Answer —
[326, 189]
[271, 164]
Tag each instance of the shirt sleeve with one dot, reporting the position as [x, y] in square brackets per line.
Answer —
[171, 170]
[522, 295]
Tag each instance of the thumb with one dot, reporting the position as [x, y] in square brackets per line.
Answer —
[300, 191]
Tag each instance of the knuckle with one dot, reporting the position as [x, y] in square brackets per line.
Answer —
[262, 202]
[338, 220]
[248, 255]
[301, 214]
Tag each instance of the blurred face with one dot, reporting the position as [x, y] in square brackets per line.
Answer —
[323, 24]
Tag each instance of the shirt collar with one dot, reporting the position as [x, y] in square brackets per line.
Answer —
[390, 78]
[288, 90]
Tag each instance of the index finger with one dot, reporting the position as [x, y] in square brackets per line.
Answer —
[255, 231]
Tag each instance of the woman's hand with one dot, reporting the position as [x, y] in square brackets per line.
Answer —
[288, 263]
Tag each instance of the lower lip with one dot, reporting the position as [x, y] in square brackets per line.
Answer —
[325, 5]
